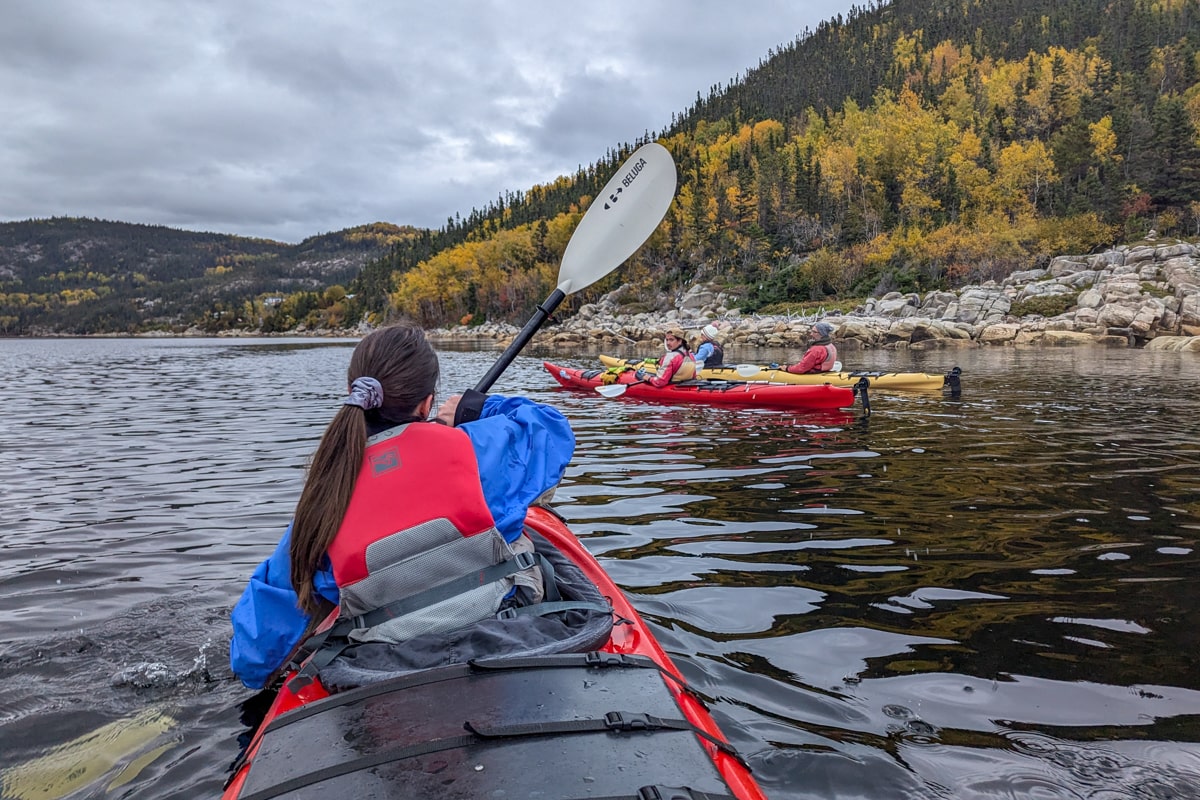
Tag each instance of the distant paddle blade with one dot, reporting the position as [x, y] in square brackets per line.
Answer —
[613, 389]
[837, 366]
[748, 370]
[620, 219]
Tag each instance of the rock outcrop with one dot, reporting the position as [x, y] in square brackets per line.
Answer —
[1129, 296]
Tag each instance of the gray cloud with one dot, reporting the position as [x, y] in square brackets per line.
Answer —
[285, 120]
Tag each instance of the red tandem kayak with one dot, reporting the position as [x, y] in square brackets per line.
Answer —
[615, 721]
[736, 394]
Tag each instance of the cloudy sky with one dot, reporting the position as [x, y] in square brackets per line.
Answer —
[283, 120]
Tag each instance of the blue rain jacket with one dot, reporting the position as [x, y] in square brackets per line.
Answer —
[522, 448]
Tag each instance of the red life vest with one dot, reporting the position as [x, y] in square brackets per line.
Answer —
[687, 365]
[830, 358]
[418, 550]
[410, 475]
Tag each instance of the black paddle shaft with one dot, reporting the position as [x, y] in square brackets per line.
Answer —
[536, 321]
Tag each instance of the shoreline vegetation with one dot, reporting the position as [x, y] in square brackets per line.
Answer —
[1141, 295]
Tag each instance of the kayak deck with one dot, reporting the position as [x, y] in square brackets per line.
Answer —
[613, 722]
[737, 394]
[903, 381]
[546, 726]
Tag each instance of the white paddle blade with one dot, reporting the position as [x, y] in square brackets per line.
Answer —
[613, 389]
[837, 366]
[748, 370]
[620, 219]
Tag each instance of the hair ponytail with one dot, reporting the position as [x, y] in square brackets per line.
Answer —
[405, 367]
[332, 474]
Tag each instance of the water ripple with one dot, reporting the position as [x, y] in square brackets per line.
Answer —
[990, 596]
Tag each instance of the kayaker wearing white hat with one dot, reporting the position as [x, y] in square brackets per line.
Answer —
[710, 353]
[821, 355]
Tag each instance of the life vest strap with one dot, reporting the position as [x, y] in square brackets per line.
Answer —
[328, 644]
[551, 607]
[549, 581]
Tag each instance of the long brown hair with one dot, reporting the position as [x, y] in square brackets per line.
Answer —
[403, 362]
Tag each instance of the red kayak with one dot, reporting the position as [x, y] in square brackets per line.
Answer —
[615, 721]
[735, 394]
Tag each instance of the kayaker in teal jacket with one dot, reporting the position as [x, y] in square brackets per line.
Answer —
[521, 450]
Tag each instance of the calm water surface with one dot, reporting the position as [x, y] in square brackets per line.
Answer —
[993, 596]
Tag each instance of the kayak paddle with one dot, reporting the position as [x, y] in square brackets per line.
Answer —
[617, 389]
[621, 218]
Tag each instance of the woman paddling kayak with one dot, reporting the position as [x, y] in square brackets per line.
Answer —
[386, 490]
[560, 691]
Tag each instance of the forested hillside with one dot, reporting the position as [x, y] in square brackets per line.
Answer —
[91, 276]
[909, 146]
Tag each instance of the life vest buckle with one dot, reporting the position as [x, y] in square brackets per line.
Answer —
[524, 560]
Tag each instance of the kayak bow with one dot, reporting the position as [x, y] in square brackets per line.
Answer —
[735, 394]
[905, 381]
[618, 721]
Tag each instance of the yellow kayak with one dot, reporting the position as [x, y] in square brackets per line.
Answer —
[907, 381]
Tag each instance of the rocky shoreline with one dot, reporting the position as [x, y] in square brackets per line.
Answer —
[1139, 295]
[1144, 295]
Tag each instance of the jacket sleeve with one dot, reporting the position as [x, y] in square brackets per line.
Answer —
[267, 622]
[813, 358]
[704, 351]
[523, 449]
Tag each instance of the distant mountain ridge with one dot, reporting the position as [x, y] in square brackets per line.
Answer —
[79, 275]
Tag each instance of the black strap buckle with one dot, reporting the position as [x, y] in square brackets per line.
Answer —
[626, 721]
[676, 793]
[596, 658]
[524, 560]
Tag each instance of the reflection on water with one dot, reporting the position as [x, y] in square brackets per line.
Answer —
[983, 596]
[110, 756]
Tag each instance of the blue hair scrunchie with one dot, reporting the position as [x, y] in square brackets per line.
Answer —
[366, 393]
